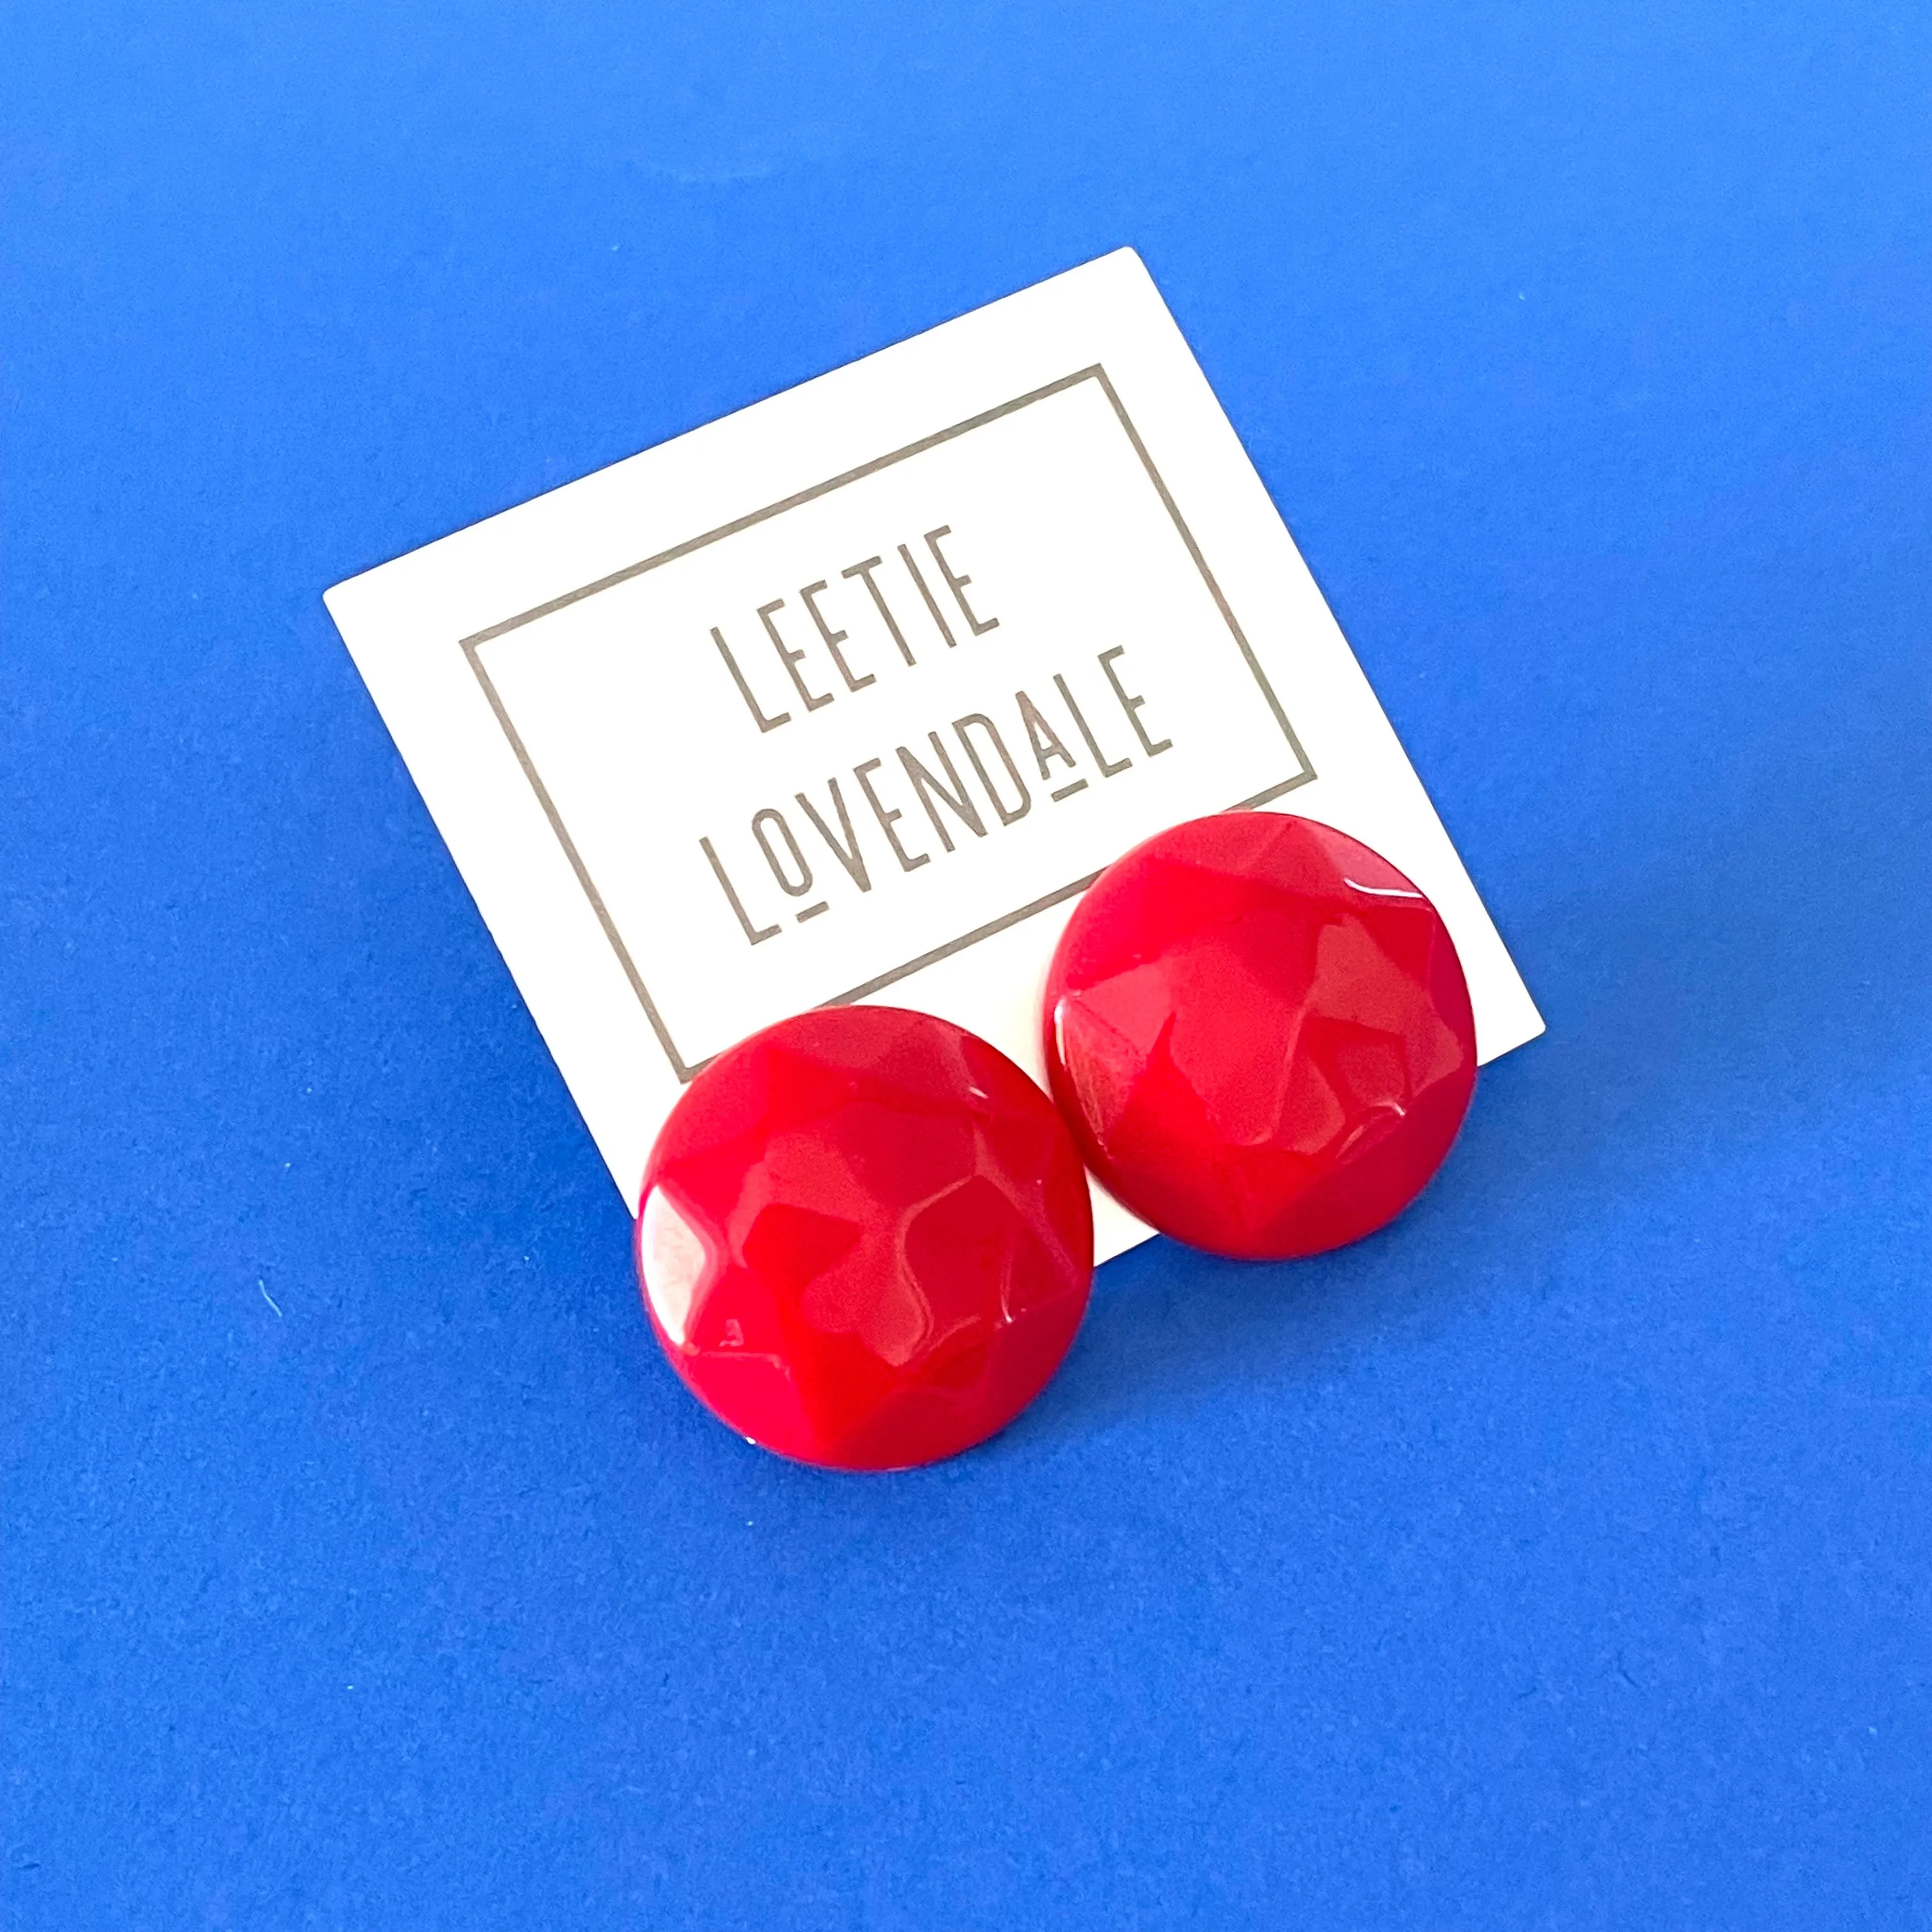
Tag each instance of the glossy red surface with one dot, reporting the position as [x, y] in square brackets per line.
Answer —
[865, 1239]
[1261, 1034]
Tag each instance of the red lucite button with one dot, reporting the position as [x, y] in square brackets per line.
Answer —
[1261, 1034]
[865, 1239]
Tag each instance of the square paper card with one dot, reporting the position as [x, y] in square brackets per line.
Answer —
[849, 695]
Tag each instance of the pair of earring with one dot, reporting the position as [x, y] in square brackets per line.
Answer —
[866, 1240]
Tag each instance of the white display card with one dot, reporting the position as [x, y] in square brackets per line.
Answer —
[848, 696]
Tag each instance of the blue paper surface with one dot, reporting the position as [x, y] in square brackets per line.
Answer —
[1561, 1557]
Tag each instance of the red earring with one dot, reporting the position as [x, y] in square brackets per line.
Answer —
[864, 1238]
[1260, 1035]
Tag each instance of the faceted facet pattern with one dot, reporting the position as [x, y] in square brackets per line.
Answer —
[866, 1240]
[1261, 1034]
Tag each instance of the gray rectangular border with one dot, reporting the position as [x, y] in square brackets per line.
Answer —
[472, 645]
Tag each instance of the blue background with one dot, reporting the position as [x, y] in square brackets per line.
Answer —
[1559, 1558]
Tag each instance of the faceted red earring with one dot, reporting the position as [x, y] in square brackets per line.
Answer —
[1260, 1035]
[865, 1239]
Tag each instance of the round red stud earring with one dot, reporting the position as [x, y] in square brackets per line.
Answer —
[864, 1238]
[1260, 1035]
